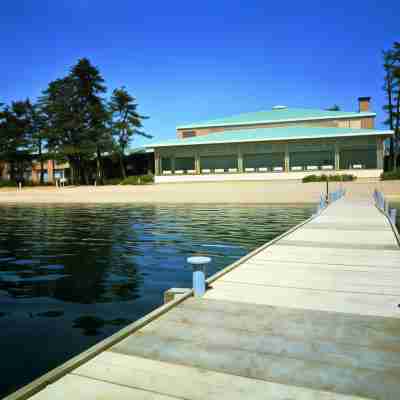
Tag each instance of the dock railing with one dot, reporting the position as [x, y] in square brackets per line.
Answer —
[330, 198]
[383, 204]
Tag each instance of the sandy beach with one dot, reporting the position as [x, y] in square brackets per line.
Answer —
[225, 192]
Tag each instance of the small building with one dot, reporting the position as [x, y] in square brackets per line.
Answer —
[280, 143]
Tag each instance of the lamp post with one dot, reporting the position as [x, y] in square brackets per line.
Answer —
[327, 188]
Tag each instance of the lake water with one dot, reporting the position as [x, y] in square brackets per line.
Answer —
[72, 275]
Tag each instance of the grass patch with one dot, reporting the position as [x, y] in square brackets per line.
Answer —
[390, 175]
[332, 178]
[13, 184]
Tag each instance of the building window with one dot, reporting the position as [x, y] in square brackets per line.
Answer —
[312, 158]
[188, 134]
[267, 160]
[358, 158]
[184, 164]
[219, 162]
[166, 164]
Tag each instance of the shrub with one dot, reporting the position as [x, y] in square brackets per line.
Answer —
[4, 184]
[138, 180]
[7, 183]
[312, 178]
[390, 175]
[112, 181]
[332, 178]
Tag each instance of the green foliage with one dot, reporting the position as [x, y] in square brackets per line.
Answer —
[6, 184]
[15, 131]
[138, 180]
[125, 122]
[391, 86]
[77, 117]
[11, 183]
[112, 181]
[390, 175]
[131, 180]
[332, 178]
[73, 122]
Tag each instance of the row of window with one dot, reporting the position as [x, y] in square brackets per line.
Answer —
[348, 159]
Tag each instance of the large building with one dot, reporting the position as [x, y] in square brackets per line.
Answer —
[280, 143]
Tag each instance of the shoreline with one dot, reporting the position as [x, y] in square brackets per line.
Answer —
[250, 193]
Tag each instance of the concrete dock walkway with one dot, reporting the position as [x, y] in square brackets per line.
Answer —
[313, 315]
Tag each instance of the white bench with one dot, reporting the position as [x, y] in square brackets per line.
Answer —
[312, 168]
[327, 167]
[205, 171]
[249, 169]
[179, 171]
[232, 170]
[167, 172]
[263, 169]
[219, 170]
[357, 166]
[191, 171]
[297, 168]
[277, 169]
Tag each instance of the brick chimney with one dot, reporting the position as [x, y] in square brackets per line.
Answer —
[363, 104]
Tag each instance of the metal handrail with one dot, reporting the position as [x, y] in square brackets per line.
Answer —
[383, 205]
[332, 197]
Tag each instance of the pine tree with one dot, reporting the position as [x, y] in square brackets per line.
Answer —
[77, 119]
[392, 108]
[14, 138]
[126, 122]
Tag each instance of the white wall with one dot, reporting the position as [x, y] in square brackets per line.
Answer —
[258, 176]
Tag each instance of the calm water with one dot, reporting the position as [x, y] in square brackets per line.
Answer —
[70, 276]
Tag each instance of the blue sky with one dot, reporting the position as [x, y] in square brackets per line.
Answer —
[187, 61]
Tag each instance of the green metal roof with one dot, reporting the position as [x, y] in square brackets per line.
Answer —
[276, 115]
[139, 150]
[271, 134]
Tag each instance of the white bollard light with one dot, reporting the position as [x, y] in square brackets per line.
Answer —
[199, 274]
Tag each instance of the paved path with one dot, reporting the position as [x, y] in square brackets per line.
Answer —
[313, 316]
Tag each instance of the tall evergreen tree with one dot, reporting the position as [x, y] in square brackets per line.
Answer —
[77, 118]
[14, 138]
[125, 122]
[392, 89]
[36, 134]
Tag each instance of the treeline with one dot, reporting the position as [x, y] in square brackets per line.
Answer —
[391, 87]
[71, 121]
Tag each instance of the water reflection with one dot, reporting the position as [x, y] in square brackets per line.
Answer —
[70, 276]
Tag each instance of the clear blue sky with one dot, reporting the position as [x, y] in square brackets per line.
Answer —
[187, 61]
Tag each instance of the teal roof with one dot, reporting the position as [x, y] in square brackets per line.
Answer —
[276, 115]
[271, 134]
[139, 150]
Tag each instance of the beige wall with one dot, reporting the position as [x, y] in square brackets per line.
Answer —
[257, 176]
[362, 122]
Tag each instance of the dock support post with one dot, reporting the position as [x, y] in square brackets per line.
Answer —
[199, 274]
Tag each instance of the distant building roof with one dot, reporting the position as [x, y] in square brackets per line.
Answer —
[276, 114]
[140, 150]
[271, 134]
